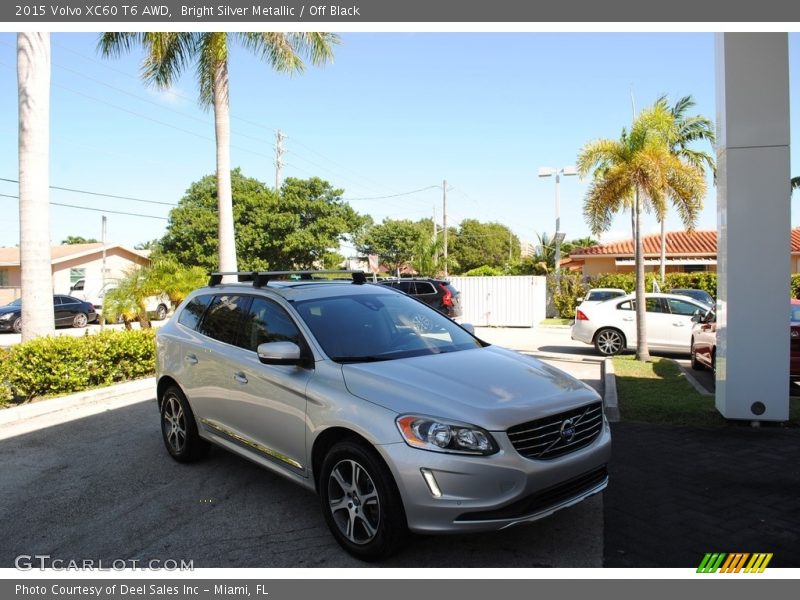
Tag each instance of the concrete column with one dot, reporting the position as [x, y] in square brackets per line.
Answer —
[753, 225]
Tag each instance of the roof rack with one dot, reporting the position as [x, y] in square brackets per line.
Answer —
[260, 278]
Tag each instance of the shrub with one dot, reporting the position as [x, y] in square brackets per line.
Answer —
[702, 280]
[5, 390]
[64, 364]
[484, 271]
[572, 290]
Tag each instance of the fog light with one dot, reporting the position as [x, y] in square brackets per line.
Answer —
[427, 474]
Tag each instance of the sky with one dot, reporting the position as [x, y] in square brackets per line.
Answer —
[394, 116]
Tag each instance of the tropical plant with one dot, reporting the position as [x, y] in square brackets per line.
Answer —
[638, 169]
[686, 130]
[167, 54]
[167, 276]
[33, 77]
[795, 183]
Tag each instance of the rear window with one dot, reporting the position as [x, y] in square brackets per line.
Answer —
[600, 296]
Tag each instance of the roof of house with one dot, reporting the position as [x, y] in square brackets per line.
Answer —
[10, 256]
[679, 243]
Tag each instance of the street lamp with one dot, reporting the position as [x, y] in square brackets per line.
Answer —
[559, 236]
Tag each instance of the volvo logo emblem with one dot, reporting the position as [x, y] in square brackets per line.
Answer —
[567, 430]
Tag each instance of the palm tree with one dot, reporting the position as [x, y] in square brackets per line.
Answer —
[795, 183]
[167, 54]
[638, 169]
[33, 80]
[685, 131]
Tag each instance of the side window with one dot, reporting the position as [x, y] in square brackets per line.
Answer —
[267, 322]
[224, 317]
[406, 287]
[425, 287]
[57, 301]
[627, 305]
[679, 307]
[191, 315]
[654, 305]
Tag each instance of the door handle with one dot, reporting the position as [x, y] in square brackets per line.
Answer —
[191, 359]
[627, 318]
[240, 377]
[678, 324]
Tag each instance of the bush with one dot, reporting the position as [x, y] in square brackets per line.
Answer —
[484, 271]
[572, 291]
[5, 390]
[64, 364]
[702, 280]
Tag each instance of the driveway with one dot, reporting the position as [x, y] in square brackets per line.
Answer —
[10, 339]
[103, 487]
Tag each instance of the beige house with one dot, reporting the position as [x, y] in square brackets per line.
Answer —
[70, 263]
[686, 253]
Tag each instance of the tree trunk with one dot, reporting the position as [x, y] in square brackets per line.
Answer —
[663, 248]
[33, 79]
[222, 130]
[642, 352]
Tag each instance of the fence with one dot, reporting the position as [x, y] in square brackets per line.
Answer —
[507, 301]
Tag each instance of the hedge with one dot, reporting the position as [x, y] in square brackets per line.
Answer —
[64, 364]
[701, 280]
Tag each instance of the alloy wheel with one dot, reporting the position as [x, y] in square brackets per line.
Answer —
[174, 424]
[609, 342]
[354, 502]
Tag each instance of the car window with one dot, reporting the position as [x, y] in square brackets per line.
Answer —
[795, 312]
[190, 316]
[406, 287]
[224, 317]
[424, 288]
[57, 301]
[653, 305]
[368, 327]
[267, 322]
[679, 307]
[627, 305]
[600, 296]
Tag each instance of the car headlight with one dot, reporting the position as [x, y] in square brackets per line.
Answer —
[6, 317]
[442, 435]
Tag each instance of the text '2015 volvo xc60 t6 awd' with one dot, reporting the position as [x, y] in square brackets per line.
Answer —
[400, 419]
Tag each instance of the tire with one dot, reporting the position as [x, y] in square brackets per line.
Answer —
[161, 313]
[609, 341]
[179, 429]
[696, 364]
[80, 320]
[366, 516]
[17, 326]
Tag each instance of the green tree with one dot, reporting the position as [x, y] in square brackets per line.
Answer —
[477, 244]
[795, 183]
[72, 240]
[638, 168]
[167, 54]
[292, 230]
[393, 240]
[684, 131]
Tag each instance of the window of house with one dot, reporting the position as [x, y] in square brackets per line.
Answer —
[75, 275]
[695, 268]
[3, 277]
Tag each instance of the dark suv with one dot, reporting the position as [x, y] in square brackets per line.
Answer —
[438, 293]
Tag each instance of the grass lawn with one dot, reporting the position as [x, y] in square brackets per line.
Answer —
[552, 322]
[658, 392]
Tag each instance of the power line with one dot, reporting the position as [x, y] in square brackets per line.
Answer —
[65, 189]
[101, 210]
[430, 187]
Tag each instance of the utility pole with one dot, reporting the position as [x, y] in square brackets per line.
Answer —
[444, 222]
[279, 137]
[103, 273]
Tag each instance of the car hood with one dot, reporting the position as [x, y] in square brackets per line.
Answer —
[4, 310]
[491, 387]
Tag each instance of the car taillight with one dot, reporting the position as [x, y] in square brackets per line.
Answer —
[447, 299]
[580, 316]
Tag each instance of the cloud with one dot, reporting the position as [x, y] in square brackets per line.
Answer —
[174, 96]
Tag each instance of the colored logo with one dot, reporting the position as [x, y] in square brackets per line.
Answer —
[740, 562]
[567, 430]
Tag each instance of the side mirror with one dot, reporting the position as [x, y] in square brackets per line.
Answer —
[469, 327]
[279, 353]
[697, 318]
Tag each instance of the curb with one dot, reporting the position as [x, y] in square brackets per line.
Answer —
[694, 383]
[610, 391]
[44, 407]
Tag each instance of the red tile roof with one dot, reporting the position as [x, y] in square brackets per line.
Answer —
[679, 243]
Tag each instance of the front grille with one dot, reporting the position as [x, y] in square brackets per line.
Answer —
[551, 437]
[543, 500]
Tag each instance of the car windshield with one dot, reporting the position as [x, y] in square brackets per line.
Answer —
[17, 302]
[376, 327]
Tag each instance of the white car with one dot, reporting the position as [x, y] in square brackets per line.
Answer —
[157, 306]
[597, 295]
[611, 325]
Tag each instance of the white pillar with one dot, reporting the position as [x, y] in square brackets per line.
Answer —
[753, 223]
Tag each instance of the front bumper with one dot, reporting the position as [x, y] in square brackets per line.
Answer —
[7, 325]
[488, 493]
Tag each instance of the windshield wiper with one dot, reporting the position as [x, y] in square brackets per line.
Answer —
[360, 359]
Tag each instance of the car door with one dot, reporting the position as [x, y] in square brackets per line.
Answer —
[268, 407]
[681, 313]
[657, 322]
[62, 310]
[705, 338]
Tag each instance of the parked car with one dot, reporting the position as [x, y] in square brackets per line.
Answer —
[611, 325]
[699, 295]
[67, 311]
[596, 295]
[704, 341]
[438, 293]
[398, 417]
[157, 306]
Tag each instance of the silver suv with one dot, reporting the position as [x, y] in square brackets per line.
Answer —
[399, 418]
